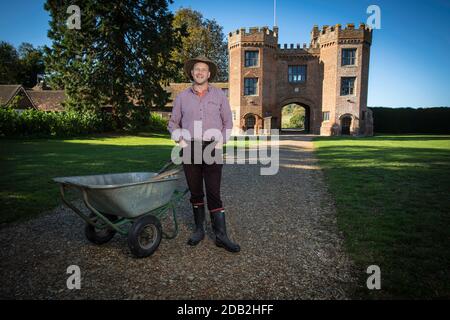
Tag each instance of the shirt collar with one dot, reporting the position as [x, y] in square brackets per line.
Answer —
[196, 92]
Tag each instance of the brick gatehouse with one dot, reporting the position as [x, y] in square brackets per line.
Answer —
[329, 78]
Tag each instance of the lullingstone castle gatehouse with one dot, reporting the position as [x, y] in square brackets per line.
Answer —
[328, 78]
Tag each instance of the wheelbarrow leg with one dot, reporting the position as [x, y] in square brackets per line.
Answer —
[62, 188]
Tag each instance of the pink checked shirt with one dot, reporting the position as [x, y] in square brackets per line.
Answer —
[212, 109]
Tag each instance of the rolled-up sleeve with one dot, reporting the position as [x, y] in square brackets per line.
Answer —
[175, 118]
[227, 117]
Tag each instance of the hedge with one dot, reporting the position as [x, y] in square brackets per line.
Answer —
[409, 120]
[33, 122]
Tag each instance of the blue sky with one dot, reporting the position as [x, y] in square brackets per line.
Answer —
[410, 62]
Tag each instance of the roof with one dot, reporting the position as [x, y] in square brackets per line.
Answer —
[47, 100]
[7, 92]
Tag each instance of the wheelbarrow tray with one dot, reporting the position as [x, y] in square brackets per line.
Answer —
[126, 195]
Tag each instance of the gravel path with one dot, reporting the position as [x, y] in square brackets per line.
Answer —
[284, 223]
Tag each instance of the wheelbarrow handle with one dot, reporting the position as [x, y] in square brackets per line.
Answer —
[162, 175]
[167, 166]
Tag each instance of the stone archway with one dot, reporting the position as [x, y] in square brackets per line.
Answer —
[310, 125]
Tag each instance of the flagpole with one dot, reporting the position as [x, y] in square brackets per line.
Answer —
[274, 13]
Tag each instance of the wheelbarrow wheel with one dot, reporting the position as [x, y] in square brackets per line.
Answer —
[145, 236]
[99, 236]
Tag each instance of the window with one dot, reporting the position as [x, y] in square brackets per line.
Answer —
[326, 116]
[348, 57]
[251, 58]
[250, 86]
[297, 74]
[347, 86]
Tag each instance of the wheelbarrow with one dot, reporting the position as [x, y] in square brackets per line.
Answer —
[116, 201]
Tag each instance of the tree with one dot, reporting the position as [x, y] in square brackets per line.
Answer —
[297, 121]
[120, 55]
[31, 64]
[200, 37]
[9, 64]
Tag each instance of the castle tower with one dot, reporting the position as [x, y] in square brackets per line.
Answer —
[251, 61]
[345, 55]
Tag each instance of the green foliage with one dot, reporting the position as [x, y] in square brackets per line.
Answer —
[293, 116]
[200, 36]
[139, 117]
[9, 62]
[157, 123]
[297, 121]
[408, 120]
[22, 66]
[31, 64]
[36, 123]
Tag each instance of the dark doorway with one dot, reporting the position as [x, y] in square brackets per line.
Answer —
[250, 121]
[345, 125]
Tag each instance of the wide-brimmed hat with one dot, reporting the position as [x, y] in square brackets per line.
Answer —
[189, 64]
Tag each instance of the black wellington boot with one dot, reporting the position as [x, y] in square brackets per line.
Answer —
[199, 218]
[219, 227]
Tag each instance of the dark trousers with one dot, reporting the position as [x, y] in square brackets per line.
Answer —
[197, 173]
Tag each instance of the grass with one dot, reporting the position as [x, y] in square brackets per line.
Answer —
[28, 165]
[393, 200]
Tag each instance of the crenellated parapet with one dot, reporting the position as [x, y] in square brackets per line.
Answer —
[253, 37]
[330, 35]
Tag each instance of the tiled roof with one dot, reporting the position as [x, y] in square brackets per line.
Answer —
[7, 92]
[47, 100]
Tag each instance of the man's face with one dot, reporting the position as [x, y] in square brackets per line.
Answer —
[200, 73]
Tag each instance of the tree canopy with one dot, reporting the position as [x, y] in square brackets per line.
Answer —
[200, 36]
[120, 54]
[20, 66]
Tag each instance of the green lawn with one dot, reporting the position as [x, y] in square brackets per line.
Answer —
[393, 199]
[27, 166]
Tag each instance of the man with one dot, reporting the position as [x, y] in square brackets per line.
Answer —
[207, 106]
